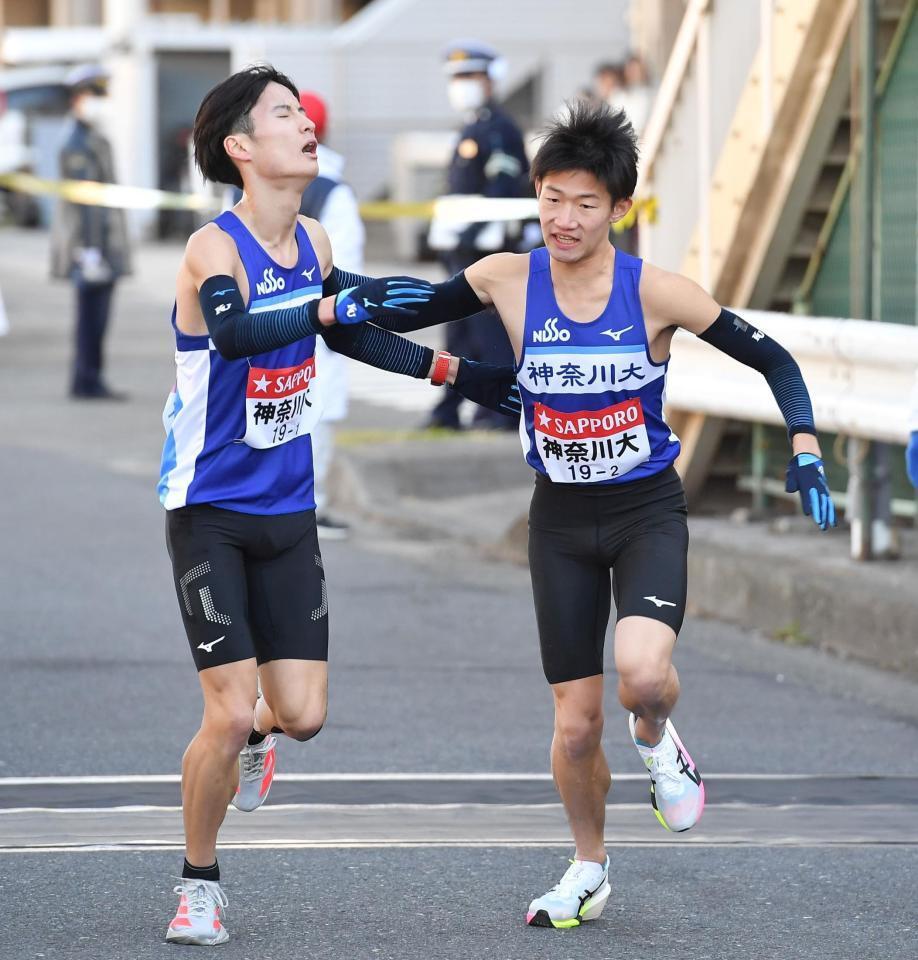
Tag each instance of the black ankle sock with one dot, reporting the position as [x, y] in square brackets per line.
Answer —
[201, 873]
[255, 738]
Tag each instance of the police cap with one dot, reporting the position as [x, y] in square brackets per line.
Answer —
[88, 76]
[470, 56]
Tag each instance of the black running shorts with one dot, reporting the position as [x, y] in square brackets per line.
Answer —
[248, 585]
[577, 535]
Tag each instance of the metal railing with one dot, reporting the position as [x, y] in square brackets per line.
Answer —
[859, 374]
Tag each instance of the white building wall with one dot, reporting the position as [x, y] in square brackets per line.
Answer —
[381, 71]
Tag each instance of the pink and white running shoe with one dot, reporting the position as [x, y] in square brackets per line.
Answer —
[197, 921]
[676, 787]
[256, 774]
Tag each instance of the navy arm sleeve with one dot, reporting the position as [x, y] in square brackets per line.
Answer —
[372, 343]
[742, 341]
[380, 348]
[236, 333]
[339, 280]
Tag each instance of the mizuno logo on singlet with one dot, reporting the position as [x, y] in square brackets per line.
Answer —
[308, 273]
[270, 283]
[616, 335]
[550, 332]
[210, 646]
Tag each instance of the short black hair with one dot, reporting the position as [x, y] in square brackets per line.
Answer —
[226, 110]
[595, 138]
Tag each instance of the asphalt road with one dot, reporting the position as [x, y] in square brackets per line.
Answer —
[807, 848]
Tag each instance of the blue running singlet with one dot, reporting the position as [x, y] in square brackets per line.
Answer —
[237, 431]
[592, 396]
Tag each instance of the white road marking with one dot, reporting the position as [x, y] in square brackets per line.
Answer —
[330, 825]
[390, 778]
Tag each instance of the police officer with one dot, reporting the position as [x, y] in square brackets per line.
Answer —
[89, 244]
[489, 160]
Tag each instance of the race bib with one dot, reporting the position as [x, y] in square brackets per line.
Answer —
[589, 446]
[280, 405]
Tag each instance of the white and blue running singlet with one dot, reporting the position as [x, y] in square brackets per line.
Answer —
[237, 431]
[592, 396]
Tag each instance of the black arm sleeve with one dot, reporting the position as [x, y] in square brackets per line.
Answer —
[237, 334]
[742, 341]
[452, 300]
[380, 348]
[339, 280]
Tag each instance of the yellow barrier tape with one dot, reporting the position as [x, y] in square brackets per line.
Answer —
[393, 210]
[94, 194]
[456, 209]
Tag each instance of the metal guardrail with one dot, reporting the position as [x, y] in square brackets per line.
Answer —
[859, 373]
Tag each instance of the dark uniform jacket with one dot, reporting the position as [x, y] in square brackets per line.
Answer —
[87, 155]
[490, 160]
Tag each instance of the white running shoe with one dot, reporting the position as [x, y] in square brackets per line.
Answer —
[579, 895]
[256, 773]
[676, 787]
[197, 921]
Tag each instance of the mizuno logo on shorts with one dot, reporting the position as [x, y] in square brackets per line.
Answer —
[210, 646]
[659, 603]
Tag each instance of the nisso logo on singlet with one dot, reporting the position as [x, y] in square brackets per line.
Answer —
[591, 445]
[550, 332]
[270, 283]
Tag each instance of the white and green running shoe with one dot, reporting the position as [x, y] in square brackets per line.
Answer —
[579, 895]
[676, 787]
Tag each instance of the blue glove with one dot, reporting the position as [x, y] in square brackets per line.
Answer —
[490, 385]
[911, 458]
[377, 297]
[806, 475]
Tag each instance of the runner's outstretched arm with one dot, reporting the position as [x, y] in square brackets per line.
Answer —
[236, 333]
[450, 300]
[489, 385]
[686, 305]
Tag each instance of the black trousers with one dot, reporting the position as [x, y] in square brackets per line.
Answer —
[479, 337]
[93, 305]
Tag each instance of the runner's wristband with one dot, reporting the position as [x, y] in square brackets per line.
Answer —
[441, 369]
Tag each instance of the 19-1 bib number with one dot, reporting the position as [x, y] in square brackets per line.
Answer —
[280, 405]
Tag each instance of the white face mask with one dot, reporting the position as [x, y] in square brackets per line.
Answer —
[466, 95]
[95, 111]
